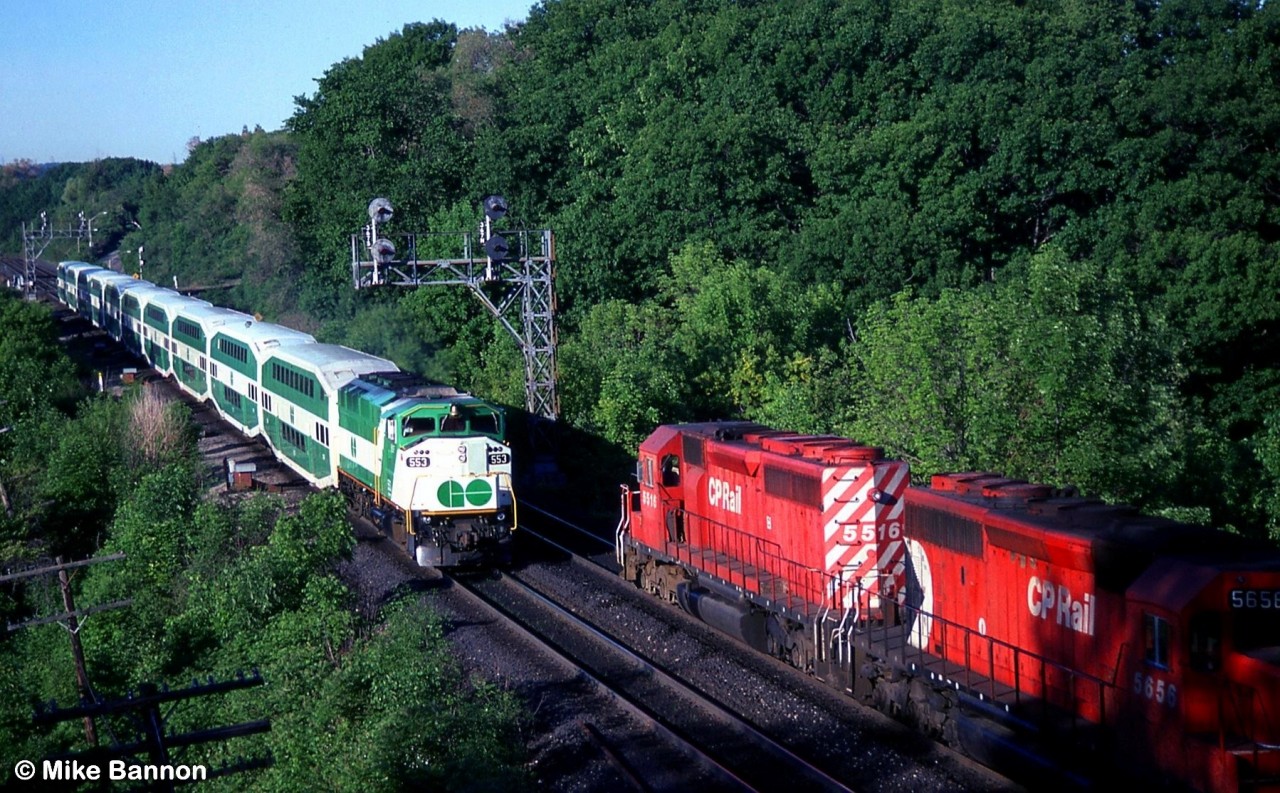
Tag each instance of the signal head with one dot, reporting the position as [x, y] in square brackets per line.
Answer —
[496, 248]
[384, 250]
[380, 211]
[495, 207]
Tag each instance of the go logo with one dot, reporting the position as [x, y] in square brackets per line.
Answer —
[453, 495]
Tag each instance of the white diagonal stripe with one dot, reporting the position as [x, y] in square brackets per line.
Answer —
[834, 554]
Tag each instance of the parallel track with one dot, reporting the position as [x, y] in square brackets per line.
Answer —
[15, 267]
[734, 751]
[590, 552]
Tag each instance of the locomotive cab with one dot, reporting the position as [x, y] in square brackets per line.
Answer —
[452, 468]
[431, 466]
[662, 499]
[1205, 666]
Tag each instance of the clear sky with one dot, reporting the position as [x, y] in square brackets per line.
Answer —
[86, 79]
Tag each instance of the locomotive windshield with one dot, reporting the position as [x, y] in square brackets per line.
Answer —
[484, 422]
[468, 421]
[433, 421]
[419, 425]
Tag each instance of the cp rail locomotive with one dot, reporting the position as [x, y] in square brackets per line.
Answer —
[989, 612]
[429, 465]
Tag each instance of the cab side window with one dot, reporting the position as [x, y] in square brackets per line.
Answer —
[1156, 632]
[670, 471]
[1206, 642]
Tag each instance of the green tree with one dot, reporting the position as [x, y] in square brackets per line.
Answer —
[81, 484]
[37, 383]
[1054, 374]
[1266, 499]
[378, 125]
[620, 374]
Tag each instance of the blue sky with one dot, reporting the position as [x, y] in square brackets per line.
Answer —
[85, 79]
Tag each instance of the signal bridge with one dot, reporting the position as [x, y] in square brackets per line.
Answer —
[512, 274]
[36, 238]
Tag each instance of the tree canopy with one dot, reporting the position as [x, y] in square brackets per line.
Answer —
[753, 202]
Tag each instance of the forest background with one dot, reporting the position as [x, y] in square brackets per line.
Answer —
[1036, 238]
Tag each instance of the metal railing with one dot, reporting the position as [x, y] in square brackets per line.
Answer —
[991, 669]
[751, 562]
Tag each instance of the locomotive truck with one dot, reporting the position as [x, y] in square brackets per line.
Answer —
[430, 465]
[978, 608]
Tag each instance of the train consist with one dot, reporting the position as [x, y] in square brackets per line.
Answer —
[979, 609]
[430, 465]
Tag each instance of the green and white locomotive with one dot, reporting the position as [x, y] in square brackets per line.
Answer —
[427, 464]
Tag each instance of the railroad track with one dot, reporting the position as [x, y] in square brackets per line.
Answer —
[14, 268]
[730, 753]
[835, 736]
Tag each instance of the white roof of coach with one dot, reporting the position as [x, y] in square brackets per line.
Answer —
[265, 336]
[147, 293]
[74, 269]
[172, 302]
[63, 266]
[112, 278]
[336, 365]
[213, 317]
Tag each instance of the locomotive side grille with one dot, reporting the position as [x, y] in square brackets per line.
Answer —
[955, 533]
[727, 462]
[785, 484]
[692, 451]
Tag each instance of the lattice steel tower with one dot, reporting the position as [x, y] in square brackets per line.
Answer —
[511, 274]
[36, 239]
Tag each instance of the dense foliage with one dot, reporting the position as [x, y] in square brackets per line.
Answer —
[1039, 238]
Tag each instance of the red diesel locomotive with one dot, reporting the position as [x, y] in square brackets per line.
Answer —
[976, 607]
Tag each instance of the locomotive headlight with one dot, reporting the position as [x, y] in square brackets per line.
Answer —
[502, 517]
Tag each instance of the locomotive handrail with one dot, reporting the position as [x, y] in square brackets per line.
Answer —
[515, 502]
[624, 524]
[755, 565]
[1018, 656]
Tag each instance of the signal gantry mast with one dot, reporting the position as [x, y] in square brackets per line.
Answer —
[512, 273]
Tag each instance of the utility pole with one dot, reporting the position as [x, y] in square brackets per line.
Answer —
[72, 618]
[144, 706]
[77, 650]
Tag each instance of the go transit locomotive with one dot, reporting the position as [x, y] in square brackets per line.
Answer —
[976, 608]
[430, 465]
